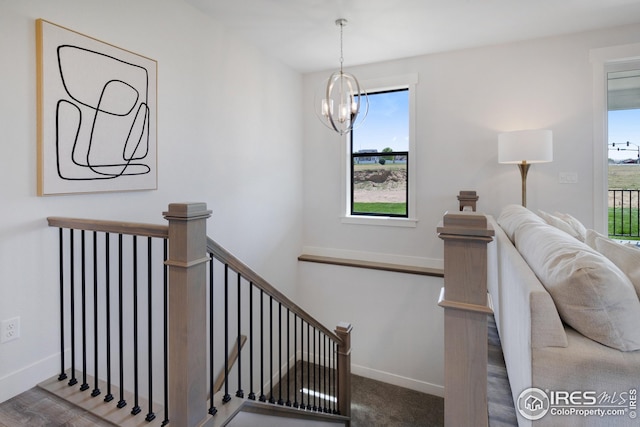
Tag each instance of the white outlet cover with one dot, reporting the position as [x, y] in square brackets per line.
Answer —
[10, 330]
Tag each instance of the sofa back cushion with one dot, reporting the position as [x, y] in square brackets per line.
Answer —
[592, 295]
[514, 216]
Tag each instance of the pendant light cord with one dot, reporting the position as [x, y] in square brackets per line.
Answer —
[341, 52]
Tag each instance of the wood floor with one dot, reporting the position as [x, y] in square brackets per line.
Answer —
[501, 409]
[39, 408]
[375, 404]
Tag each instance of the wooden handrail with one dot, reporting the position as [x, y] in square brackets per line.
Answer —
[373, 265]
[133, 228]
[225, 257]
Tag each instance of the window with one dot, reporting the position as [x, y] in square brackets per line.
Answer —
[379, 157]
[623, 125]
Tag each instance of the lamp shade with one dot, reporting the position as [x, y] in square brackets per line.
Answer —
[531, 146]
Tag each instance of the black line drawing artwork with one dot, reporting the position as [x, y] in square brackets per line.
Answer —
[102, 128]
[97, 117]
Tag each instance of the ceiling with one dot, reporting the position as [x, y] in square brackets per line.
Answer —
[303, 34]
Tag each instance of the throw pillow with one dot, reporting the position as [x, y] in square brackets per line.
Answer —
[560, 224]
[624, 257]
[592, 295]
[578, 227]
[591, 236]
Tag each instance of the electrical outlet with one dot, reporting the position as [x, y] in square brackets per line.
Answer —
[10, 330]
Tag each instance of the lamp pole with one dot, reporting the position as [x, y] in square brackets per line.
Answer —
[524, 169]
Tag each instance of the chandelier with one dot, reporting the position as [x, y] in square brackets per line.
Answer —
[341, 101]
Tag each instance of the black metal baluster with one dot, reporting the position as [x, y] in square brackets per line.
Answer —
[302, 363]
[252, 395]
[335, 378]
[263, 398]
[324, 370]
[121, 403]
[63, 374]
[309, 388]
[296, 404]
[315, 379]
[332, 391]
[212, 408]
[280, 401]
[239, 392]
[84, 385]
[288, 403]
[150, 415]
[271, 397]
[319, 389]
[166, 337]
[630, 216]
[136, 407]
[630, 213]
[226, 397]
[622, 213]
[638, 213]
[322, 392]
[107, 265]
[96, 389]
[72, 276]
[614, 212]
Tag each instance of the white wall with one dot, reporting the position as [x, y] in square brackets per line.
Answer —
[464, 99]
[226, 136]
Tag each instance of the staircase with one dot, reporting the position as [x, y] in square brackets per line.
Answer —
[160, 325]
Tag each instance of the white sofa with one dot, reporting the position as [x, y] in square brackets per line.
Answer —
[540, 349]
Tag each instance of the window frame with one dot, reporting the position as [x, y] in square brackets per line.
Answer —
[387, 84]
[602, 59]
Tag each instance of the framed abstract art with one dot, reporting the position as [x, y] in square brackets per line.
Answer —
[97, 115]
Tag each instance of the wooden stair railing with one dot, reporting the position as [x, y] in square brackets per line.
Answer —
[466, 305]
[319, 356]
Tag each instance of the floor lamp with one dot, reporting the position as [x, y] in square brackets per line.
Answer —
[523, 147]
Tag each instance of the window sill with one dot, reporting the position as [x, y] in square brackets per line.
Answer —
[380, 220]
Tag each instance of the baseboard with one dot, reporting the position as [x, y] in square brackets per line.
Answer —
[28, 377]
[400, 381]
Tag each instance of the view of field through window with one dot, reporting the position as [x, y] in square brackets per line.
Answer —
[624, 154]
[380, 154]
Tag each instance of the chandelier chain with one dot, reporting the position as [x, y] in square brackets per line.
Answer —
[341, 51]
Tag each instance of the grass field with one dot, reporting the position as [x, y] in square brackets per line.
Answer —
[380, 208]
[624, 226]
[624, 177]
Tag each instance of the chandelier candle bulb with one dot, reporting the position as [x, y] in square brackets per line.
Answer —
[343, 113]
[327, 107]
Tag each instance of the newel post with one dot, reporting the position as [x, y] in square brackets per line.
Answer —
[186, 263]
[343, 330]
[466, 306]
